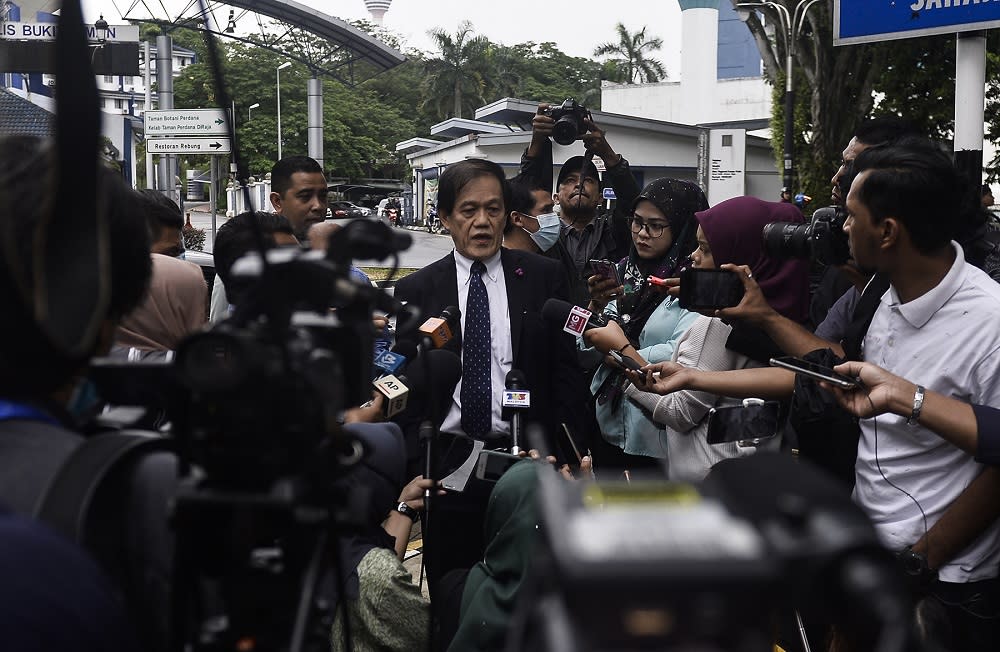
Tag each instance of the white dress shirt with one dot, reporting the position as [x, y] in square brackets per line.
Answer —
[502, 350]
[947, 340]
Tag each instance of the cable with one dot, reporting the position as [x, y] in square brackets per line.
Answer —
[878, 465]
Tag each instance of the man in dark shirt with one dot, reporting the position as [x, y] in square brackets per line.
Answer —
[588, 232]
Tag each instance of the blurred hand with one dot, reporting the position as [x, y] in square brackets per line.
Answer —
[661, 377]
[671, 286]
[603, 290]
[753, 308]
[585, 472]
[875, 397]
[541, 125]
[413, 493]
[608, 338]
[370, 412]
[380, 322]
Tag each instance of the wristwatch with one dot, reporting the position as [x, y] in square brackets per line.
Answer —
[918, 404]
[406, 510]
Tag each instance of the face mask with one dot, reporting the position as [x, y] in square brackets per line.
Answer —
[548, 231]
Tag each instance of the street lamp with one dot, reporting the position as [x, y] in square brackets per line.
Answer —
[101, 29]
[253, 106]
[277, 75]
[791, 25]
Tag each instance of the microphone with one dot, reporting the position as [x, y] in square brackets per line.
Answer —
[572, 319]
[392, 386]
[437, 378]
[437, 331]
[516, 399]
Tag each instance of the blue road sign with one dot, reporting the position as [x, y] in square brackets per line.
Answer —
[866, 21]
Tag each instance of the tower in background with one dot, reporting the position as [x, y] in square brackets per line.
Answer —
[377, 9]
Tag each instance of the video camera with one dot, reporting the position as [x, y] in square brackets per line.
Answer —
[822, 239]
[569, 117]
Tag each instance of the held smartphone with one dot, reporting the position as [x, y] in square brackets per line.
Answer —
[624, 360]
[606, 269]
[493, 464]
[748, 425]
[816, 372]
[710, 289]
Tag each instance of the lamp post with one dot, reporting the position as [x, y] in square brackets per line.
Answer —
[101, 29]
[791, 25]
[277, 75]
[250, 109]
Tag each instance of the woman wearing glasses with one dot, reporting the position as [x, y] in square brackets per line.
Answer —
[728, 234]
[645, 323]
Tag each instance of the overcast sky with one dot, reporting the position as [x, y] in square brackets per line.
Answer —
[576, 26]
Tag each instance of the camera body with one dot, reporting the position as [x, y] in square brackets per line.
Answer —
[569, 117]
[822, 239]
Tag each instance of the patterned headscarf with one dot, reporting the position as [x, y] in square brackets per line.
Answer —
[678, 201]
[733, 229]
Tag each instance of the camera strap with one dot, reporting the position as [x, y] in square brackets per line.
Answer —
[861, 318]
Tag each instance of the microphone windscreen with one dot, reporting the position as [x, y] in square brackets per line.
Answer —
[515, 379]
[452, 315]
[555, 311]
[405, 348]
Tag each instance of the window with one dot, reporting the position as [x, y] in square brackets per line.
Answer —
[119, 103]
[727, 140]
[109, 79]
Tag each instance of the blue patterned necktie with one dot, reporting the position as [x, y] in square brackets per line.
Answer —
[477, 391]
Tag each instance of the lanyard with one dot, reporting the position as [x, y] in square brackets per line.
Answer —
[10, 411]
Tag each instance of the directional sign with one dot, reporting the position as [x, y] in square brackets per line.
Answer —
[185, 122]
[188, 146]
[866, 21]
[18, 31]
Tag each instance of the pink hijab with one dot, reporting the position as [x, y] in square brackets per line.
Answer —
[734, 230]
[173, 308]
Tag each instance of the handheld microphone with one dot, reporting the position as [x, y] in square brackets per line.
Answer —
[437, 331]
[572, 319]
[390, 383]
[516, 399]
[392, 361]
[437, 377]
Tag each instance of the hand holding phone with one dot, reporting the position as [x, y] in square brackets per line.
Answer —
[606, 270]
[710, 289]
[816, 372]
[625, 361]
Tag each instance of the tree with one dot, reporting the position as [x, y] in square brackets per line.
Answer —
[456, 77]
[633, 63]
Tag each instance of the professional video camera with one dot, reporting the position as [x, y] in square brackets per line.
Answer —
[569, 117]
[822, 239]
[709, 567]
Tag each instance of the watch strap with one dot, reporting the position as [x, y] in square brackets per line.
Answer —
[408, 511]
[918, 404]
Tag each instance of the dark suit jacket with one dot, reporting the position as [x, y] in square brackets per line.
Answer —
[543, 353]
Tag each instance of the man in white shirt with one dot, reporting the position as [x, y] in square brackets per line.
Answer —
[939, 325]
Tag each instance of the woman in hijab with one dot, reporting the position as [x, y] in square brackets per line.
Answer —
[174, 308]
[494, 584]
[729, 233]
[644, 322]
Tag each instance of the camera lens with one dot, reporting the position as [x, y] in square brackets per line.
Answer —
[566, 130]
[787, 239]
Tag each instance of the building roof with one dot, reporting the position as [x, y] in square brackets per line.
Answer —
[19, 116]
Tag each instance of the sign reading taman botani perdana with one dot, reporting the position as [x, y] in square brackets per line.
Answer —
[866, 21]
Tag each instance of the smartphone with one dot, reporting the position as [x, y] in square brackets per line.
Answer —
[493, 464]
[749, 424]
[710, 289]
[625, 361]
[606, 269]
[816, 372]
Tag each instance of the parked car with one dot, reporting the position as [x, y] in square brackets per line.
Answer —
[342, 209]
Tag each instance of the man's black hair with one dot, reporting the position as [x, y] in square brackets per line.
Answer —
[281, 173]
[521, 198]
[235, 239]
[914, 181]
[31, 366]
[457, 176]
[161, 212]
[884, 130]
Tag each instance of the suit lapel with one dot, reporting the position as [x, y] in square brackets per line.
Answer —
[515, 297]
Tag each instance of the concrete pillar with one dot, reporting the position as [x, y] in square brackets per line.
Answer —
[699, 53]
[165, 100]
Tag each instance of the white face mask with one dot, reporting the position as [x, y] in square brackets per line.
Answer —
[548, 231]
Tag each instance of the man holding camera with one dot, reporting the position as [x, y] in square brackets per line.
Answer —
[588, 232]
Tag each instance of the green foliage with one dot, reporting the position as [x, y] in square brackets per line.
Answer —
[630, 58]
[194, 238]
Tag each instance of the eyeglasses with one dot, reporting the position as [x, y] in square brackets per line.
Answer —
[654, 230]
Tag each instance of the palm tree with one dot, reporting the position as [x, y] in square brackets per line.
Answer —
[633, 64]
[456, 76]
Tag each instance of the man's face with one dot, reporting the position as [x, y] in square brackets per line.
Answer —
[170, 243]
[543, 204]
[304, 203]
[577, 198]
[850, 153]
[863, 234]
[476, 223]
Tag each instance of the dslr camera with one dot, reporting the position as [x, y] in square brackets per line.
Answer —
[569, 117]
[822, 239]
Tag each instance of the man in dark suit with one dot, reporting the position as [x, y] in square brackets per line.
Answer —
[500, 293]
